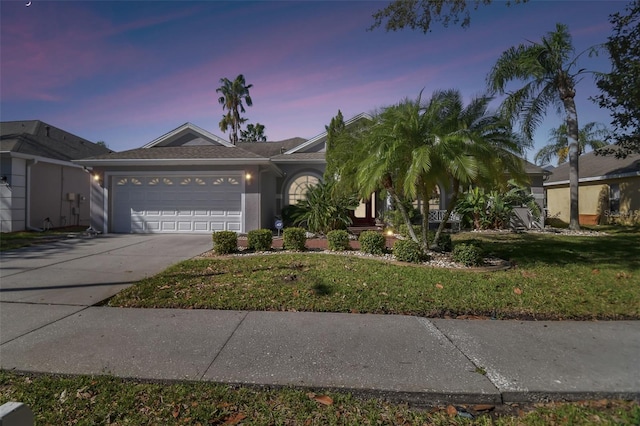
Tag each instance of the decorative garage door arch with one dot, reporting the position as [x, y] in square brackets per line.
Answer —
[167, 202]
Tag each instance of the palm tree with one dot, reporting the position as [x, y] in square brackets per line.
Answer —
[476, 147]
[412, 146]
[546, 69]
[592, 134]
[233, 94]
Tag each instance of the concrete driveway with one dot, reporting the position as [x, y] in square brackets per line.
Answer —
[84, 271]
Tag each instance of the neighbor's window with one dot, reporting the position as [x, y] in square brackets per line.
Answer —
[614, 197]
[298, 188]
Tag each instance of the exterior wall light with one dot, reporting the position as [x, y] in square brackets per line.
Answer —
[96, 177]
[248, 176]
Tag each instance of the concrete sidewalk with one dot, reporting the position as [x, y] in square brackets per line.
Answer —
[398, 357]
[48, 323]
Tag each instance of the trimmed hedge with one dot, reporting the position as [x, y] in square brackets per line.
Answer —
[225, 242]
[338, 240]
[260, 240]
[468, 254]
[409, 251]
[372, 242]
[294, 239]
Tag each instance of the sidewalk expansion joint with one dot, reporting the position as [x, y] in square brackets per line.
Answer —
[432, 328]
[226, 342]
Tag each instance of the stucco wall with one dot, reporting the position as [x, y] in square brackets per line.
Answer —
[268, 199]
[12, 195]
[594, 198]
[50, 196]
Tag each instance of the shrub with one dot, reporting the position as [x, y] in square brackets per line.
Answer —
[338, 240]
[294, 239]
[372, 242]
[260, 239]
[225, 242]
[444, 242]
[323, 208]
[468, 254]
[409, 251]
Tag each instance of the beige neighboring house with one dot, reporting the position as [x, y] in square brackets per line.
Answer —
[39, 185]
[609, 190]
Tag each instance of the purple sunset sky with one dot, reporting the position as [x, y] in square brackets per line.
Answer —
[128, 72]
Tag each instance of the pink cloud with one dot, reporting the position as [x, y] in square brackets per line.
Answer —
[45, 49]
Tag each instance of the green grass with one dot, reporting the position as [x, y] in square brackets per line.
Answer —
[555, 277]
[15, 240]
[85, 400]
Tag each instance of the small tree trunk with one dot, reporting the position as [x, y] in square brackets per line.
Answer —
[389, 187]
[450, 207]
[424, 210]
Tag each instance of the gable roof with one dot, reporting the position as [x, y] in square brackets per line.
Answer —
[270, 149]
[593, 167]
[322, 137]
[177, 155]
[185, 134]
[39, 139]
[532, 169]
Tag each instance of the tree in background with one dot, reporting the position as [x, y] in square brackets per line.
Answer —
[102, 144]
[419, 14]
[547, 70]
[592, 134]
[254, 133]
[621, 87]
[233, 94]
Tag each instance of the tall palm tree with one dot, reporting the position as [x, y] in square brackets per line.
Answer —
[234, 93]
[414, 146]
[546, 68]
[591, 134]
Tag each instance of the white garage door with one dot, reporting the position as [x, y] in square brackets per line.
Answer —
[181, 204]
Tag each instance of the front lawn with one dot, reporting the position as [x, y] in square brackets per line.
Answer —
[106, 400]
[555, 277]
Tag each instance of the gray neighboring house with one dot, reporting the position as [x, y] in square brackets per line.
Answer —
[39, 180]
[190, 180]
